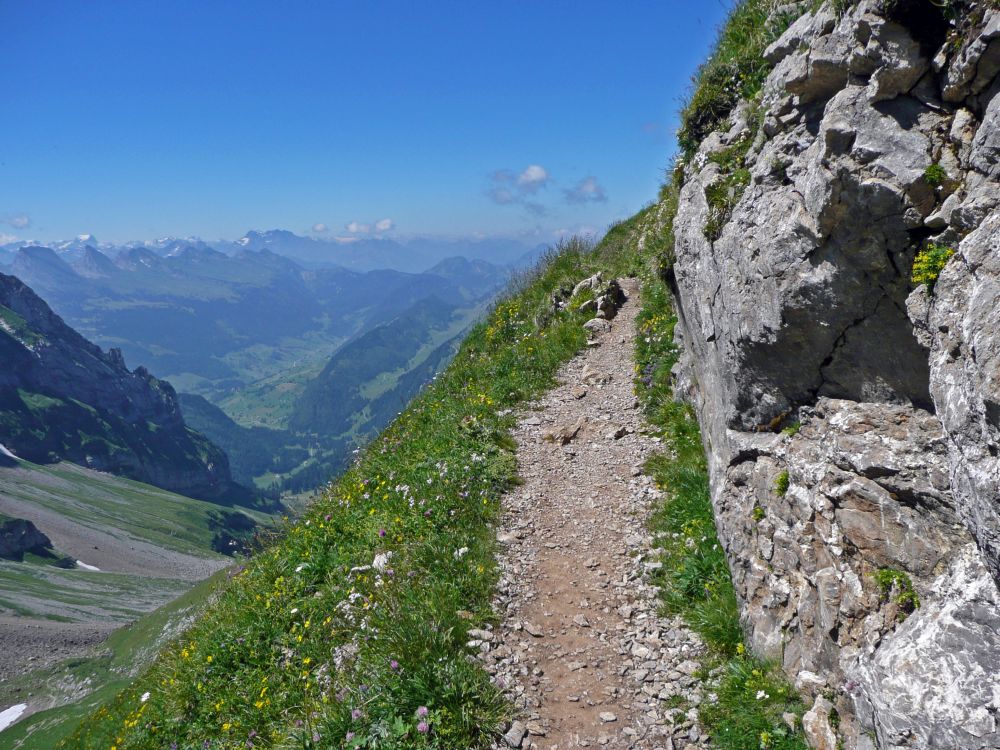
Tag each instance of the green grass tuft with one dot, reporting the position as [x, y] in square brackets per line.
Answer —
[735, 70]
[935, 175]
[896, 583]
[781, 484]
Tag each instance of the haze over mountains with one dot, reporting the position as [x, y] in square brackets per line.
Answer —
[356, 253]
[288, 351]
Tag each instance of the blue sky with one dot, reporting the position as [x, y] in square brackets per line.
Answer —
[138, 119]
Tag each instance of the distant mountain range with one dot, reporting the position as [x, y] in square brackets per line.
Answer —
[285, 364]
[190, 315]
[357, 254]
[367, 254]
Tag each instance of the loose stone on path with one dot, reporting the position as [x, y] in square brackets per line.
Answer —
[581, 649]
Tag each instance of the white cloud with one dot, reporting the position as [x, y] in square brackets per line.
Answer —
[379, 227]
[532, 178]
[18, 221]
[320, 227]
[508, 187]
[587, 190]
[7, 238]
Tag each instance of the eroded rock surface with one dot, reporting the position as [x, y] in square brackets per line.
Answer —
[851, 417]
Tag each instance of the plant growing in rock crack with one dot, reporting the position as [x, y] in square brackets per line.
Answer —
[929, 263]
[723, 194]
[897, 584]
[792, 429]
[779, 168]
[781, 484]
[935, 175]
[759, 514]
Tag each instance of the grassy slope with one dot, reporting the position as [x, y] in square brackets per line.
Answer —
[110, 669]
[130, 511]
[300, 651]
[49, 592]
[113, 504]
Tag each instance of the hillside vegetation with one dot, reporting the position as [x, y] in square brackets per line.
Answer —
[350, 632]
[319, 358]
[358, 617]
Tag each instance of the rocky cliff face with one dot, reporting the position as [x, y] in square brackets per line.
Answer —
[852, 416]
[61, 397]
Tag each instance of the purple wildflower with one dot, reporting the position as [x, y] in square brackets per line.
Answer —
[356, 713]
[423, 727]
[394, 665]
[381, 532]
[422, 712]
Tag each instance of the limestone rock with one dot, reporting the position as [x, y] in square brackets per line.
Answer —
[566, 433]
[799, 310]
[816, 725]
[515, 735]
[597, 325]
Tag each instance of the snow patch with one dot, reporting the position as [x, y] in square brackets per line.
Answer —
[10, 715]
[82, 564]
[5, 452]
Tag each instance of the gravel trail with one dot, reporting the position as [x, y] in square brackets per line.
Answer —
[581, 648]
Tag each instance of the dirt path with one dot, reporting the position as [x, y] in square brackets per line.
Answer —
[581, 649]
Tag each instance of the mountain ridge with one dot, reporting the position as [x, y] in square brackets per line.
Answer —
[64, 398]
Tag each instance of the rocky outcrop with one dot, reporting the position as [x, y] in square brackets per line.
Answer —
[18, 536]
[62, 398]
[851, 416]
